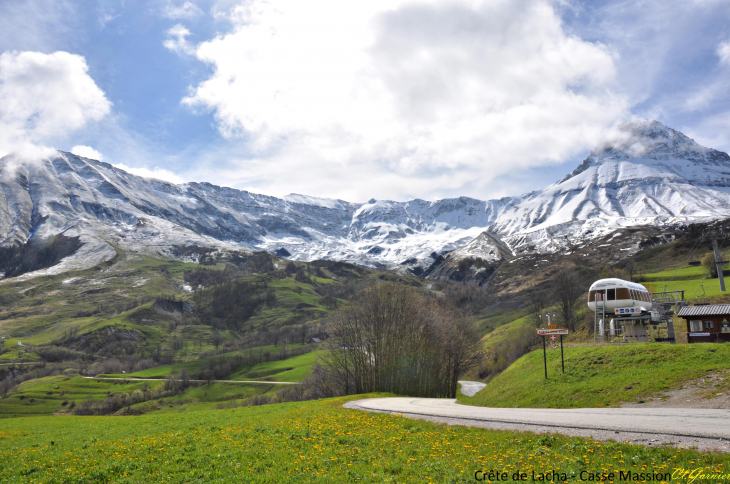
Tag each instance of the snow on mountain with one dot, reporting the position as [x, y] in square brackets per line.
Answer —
[474, 262]
[647, 174]
[108, 207]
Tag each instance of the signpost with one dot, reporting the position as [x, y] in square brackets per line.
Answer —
[553, 333]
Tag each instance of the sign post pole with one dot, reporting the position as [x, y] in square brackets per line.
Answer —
[553, 333]
[544, 355]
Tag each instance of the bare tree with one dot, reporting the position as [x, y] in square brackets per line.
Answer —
[538, 303]
[217, 339]
[631, 269]
[398, 340]
[567, 290]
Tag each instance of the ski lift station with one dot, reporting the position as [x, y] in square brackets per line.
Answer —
[631, 309]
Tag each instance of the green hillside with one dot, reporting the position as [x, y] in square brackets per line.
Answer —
[315, 441]
[602, 375]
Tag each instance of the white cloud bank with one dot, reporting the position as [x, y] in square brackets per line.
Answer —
[156, 172]
[387, 98]
[87, 152]
[44, 97]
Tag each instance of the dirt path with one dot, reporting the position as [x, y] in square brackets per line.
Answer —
[710, 391]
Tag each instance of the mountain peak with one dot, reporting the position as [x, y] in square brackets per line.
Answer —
[647, 139]
[651, 143]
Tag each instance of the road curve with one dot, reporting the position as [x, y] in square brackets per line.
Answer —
[674, 422]
[470, 388]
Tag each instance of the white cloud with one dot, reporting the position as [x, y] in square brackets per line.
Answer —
[87, 152]
[360, 98]
[723, 52]
[156, 172]
[177, 40]
[186, 10]
[44, 97]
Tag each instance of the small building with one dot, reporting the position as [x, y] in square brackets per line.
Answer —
[707, 323]
[314, 340]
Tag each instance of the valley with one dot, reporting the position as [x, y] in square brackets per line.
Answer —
[216, 310]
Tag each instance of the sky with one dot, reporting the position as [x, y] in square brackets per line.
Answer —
[355, 100]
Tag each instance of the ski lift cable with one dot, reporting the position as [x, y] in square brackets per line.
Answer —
[696, 246]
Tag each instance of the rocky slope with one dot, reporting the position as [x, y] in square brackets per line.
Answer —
[647, 175]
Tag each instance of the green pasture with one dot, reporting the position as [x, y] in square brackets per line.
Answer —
[293, 369]
[685, 272]
[316, 441]
[603, 375]
[45, 396]
[57, 394]
[298, 362]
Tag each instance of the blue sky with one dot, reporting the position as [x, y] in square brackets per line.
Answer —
[386, 99]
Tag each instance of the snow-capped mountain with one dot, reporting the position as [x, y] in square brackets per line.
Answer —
[647, 174]
[475, 261]
[108, 207]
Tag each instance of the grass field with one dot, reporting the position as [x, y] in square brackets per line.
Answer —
[692, 279]
[290, 370]
[57, 394]
[315, 441]
[44, 396]
[601, 375]
[163, 371]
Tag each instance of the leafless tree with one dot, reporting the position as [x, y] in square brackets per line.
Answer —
[398, 340]
[217, 339]
[568, 288]
[538, 303]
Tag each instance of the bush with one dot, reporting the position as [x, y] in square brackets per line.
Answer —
[708, 262]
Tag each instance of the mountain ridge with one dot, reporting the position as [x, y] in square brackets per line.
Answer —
[646, 174]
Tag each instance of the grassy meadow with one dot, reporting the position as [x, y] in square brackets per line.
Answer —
[59, 395]
[602, 375]
[316, 441]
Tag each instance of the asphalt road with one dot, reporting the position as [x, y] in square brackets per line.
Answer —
[470, 388]
[705, 428]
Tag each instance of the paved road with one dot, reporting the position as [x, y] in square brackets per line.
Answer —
[661, 422]
[206, 381]
[470, 388]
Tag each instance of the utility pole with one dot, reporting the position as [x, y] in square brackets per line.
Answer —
[718, 264]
